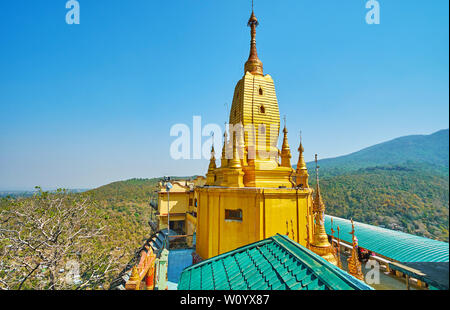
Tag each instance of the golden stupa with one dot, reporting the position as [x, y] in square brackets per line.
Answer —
[320, 244]
[354, 265]
[255, 191]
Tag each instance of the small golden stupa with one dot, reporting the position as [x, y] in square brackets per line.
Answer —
[336, 250]
[301, 173]
[320, 244]
[354, 266]
[338, 254]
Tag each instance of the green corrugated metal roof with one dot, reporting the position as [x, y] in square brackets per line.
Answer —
[395, 245]
[276, 263]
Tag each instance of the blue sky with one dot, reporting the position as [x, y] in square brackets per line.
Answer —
[85, 105]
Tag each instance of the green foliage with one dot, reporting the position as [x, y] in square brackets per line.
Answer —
[427, 152]
[396, 197]
[401, 184]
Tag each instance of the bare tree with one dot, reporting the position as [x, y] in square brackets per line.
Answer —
[53, 241]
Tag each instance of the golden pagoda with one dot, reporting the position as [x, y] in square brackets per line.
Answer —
[354, 265]
[253, 194]
[320, 244]
[254, 126]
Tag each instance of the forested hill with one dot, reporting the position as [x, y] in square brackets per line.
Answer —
[425, 152]
[133, 190]
[401, 184]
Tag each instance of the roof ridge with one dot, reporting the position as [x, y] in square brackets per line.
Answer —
[230, 253]
[274, 263]
[318, 272]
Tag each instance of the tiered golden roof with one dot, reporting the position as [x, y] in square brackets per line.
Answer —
[255, 120]
[253, 194]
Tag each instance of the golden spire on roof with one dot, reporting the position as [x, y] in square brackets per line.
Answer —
[336, 250]
[234, 176]
[318, 205]
[212, 161]
[320, 244]
[235, 162]
[301, 160]
[354, 266]
[224, 160]
[301, 171]
[253, 64]
[285, 149]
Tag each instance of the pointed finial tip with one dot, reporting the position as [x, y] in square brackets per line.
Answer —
[253, 20]
[253, 64]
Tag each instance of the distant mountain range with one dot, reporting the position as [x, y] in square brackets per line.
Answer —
[29, 193]
[428, 152]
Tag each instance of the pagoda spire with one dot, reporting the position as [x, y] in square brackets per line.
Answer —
[301, 172]
[336, 251]
[320, 244]
[253, 64]
[235, 162]
[285, 149]
[318, 205]
[210, 176]
[224, 160]
[212, 161]
[338, 254]
[354, 266]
